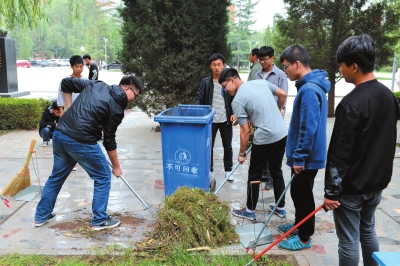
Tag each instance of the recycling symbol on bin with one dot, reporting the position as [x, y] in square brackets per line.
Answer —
[182, 156]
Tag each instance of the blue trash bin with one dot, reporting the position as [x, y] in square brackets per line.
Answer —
[186, 146]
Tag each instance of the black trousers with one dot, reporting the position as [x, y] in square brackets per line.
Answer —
[260, 155]
[301, 191]
[225, 130]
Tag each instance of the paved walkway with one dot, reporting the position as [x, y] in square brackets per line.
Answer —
[139, 150]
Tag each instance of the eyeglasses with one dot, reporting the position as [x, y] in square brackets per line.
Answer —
[134, 93]
[264, 59]
[285, 67]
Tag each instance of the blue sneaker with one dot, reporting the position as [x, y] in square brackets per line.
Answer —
[283, 228]
[280, 213]
[294, 243]
[242, 213]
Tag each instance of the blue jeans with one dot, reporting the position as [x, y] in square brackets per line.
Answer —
[46, 134]
[355, 223]
[67, 152]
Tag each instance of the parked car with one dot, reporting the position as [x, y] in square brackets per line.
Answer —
[35, 63]
[46, 63]
[113, 65]
[55, 62]
[23, 63]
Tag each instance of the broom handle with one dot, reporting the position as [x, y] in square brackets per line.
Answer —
[28, 159]
[287, 233]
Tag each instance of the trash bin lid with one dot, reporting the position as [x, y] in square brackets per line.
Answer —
[184, 113]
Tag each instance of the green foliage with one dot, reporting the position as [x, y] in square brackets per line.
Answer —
[321, 26]
[167, 45]
[21, 113]
[62, 35]
[192, 218]
[239, 37]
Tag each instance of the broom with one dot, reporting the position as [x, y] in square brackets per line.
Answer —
[22, 180]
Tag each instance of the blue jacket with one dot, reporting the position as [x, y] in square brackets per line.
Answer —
[306, 141]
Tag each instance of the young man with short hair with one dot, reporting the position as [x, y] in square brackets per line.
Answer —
[254, 101]
[306, 142]
[209, 93]
[361, 152]
[99, 107]
[93, 68]
[256, 66]
[48, 122]
[273, 170]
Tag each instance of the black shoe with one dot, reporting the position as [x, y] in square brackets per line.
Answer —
[269, 184]
[108, 223]
[51, 218]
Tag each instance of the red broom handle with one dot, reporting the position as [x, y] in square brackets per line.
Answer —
[285, 234]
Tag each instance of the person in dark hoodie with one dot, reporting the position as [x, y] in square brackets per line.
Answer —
[306, 141]
[361, 152]
[48, 122]
[100, 107]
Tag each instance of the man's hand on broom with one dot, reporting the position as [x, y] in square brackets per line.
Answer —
[117, 171]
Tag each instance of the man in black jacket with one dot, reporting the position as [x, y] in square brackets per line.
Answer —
[361, 152]
[100, 107]
[210, 93]
[48, 123]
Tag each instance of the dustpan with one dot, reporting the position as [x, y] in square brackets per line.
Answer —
[248, 235]
[31, 193]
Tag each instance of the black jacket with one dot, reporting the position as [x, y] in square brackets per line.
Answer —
[48, 119]
[99, 107]
[363, 143]
[204, 96]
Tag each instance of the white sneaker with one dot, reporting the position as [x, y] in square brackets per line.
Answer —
[75, 167]
[45, 144]
[230, 178]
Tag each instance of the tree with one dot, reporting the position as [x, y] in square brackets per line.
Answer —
[239, 32]
[321, 26]
[167, 45]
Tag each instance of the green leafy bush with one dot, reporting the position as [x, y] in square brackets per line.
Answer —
[17, 113]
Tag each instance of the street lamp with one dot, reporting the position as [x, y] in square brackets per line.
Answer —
[105, 51]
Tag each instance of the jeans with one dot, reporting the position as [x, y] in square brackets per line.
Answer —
[225, 129]
[301, 191]
[260, 155]
[46, 134]
[355, 223]
[67, 152]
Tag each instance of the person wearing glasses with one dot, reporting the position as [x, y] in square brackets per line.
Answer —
[272, 174]
[306, 141]
[253, 101]
[99, 107]
[209, 93]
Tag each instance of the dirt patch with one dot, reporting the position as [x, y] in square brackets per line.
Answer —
[81, 227]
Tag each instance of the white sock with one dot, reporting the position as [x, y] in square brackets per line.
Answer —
[280, 208]
[249, 211]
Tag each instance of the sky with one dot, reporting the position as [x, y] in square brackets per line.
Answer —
[264, 13]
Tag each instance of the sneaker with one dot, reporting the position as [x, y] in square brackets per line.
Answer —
[283, 228]
[51, 218]
[230, 178]
[294, 243]
[45, 144]
[280, 213]
[75, 167]
[108, 223]
[242, 213]
[269, 184]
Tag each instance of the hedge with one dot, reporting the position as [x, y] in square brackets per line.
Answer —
[19, 113]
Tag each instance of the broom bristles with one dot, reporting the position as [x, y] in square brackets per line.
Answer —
[23, 179]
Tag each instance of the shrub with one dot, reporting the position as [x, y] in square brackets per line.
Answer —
[17, 113]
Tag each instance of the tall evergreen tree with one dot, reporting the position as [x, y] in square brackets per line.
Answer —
[167, 45]
[321, 26]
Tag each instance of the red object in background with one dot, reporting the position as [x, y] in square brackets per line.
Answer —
[23, 63]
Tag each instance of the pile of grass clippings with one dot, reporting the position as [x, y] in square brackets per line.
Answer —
[193, 218]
